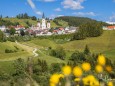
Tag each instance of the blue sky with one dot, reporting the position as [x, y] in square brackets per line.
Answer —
[103, 10]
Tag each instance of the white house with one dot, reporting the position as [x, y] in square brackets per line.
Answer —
[2, 28]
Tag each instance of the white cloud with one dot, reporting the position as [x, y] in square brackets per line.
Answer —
[32, 5]
[113, 0]
[59, 15]
[58, 9]
[84, 13]
[112, 18]
[73, 4]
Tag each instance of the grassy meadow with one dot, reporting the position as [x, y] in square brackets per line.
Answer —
[104, 44]
[33, 22]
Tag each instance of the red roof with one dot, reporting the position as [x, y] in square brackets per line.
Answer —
[61, 28]
[110, 27]
[55, 31]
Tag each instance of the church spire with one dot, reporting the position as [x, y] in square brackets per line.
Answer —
[43, 16]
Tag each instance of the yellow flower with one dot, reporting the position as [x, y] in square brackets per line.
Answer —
[110, 84]
[54, 78]
[101, 60]
[77, 71]
[108, 68]
[77, 79]
[99, 68]
[61, 76]
[85, 81]
[66, 70]
[86, 66]
[91, 77]
[52, 84]
[90, 80]
[96, 83]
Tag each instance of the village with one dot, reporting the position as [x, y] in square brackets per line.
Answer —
[42, 28]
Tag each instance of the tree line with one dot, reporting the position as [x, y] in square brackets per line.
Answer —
[77, 21]
[26, 16]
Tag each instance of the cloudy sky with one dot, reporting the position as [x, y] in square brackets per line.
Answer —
[103, 10]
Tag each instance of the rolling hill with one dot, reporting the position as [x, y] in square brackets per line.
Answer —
[63, 21]
[23, 22]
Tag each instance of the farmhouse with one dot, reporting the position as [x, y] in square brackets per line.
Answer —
[108, 27]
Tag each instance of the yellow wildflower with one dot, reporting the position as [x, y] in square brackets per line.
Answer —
[90, 80]
[91, 77]
[101, 60]
[110, 84]
[108, 68]
[52, 84]
[77, 71]
[66, 70]
[86, 66]
[54, 79]
[96, 83]
[85, 81]
[77, 79]
[61, 76]
[99, 69]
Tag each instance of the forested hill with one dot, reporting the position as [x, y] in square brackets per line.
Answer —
[77, 21]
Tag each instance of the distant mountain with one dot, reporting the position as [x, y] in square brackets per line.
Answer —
[77, 21]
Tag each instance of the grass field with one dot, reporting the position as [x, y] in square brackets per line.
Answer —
[21, 52]
[104, 44]
[23, 22]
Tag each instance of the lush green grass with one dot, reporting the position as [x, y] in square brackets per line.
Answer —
[6, 66]
[44, 55]
[96, 44]
[33, 22]
[103, 44]
[110, 54]
[21, 52]
[21, 21]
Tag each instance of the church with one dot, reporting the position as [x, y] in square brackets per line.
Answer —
[44, 24]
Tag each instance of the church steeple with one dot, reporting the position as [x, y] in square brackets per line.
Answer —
[43, 16]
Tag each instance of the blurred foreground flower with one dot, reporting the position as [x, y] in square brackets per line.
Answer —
[54, 79]
[86, 66]
[99, 69]
[110, 84]
[108, 68]
[101, 60]
[66, 70]
[77, 71]
[81, 77]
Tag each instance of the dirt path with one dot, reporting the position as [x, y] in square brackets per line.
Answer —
[29, 49]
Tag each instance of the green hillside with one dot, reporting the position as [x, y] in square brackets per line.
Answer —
[20, 52]
[33, 22]
[103, 44]
[77, 21]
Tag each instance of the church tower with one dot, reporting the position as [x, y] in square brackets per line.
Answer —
[43, 22]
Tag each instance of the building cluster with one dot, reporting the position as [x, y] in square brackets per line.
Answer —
[42, 27]
[108, 27]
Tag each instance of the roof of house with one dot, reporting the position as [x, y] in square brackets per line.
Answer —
[111, 27]
[61, 28]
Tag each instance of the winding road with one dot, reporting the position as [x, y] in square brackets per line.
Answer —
[28, 48]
